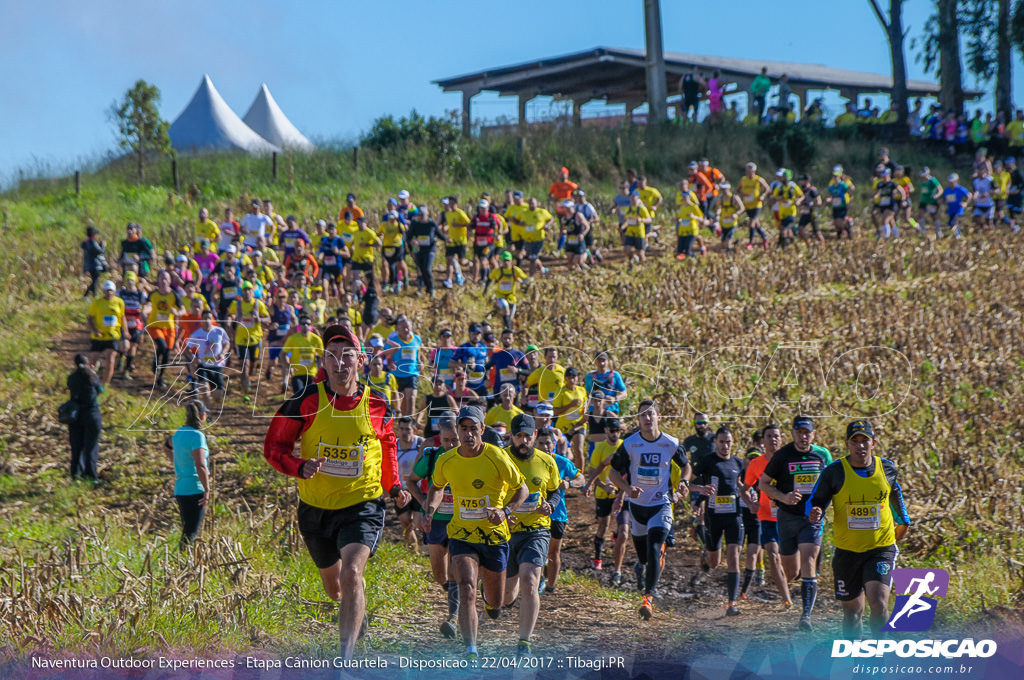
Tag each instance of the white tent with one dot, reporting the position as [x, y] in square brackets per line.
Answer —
[209, 123]
[269, 121]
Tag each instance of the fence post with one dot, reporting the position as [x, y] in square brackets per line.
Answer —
[521, 155]
[618, 153]
[174, 174]
[78, 183]
[355, 158]
[273, 166]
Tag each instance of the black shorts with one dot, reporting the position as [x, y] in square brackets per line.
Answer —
[576, 248]
[362, 266]
[1014, 208]
[527, 547]
[635, 242]
[406, 383]
[730, 526]
[517, 244]
[412, 506]
[250, 351]
[839, 213]
[558, 529]
[214, 375]
[794, 530]
[491, 557]
[397, 253]
[331, 273]
[728, 233]
[135, 335]
[786, 221]
[930, 208]
[326, 532]
[438, 534]
[808, 218]
[852, 570]
[453, 251]
[752, 213]
[483, 252]
[603, 507]
[103, 345]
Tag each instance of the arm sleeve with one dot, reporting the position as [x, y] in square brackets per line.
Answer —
[286, 428]
[620, 461]
[896, 503]
[380, 414]
[680, 457]
[828, 484]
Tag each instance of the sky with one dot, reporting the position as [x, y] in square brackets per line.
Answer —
[336, 66]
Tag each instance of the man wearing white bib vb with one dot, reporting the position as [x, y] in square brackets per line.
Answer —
[788, 479]
[347, 460]
[870, 517]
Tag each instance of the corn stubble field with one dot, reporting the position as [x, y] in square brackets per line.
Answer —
[925, 337]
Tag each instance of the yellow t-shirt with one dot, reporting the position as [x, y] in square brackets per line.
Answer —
[106, 316]
[392, 234]
[187, 300]
[649, 196]
[249, 330]
[303, 352]
[542, 478]
[164, 310]
[346, 230]
[632, 216]
[750, 191]
[570, 420]
[786, 196]
[317, 309]
[457, 221]
[363, 242]
[549, 381]
[602, 451]
[751, 120]
[534, 222]
[512, 217]
[383, 330]
[508, 282]
[689, 215]
[489, 479]
[355, 316]
[1002, 182]
[386, 386]
[209, 230]
[499, 414]
[729, 212]
[846, 119]
[1015, 132]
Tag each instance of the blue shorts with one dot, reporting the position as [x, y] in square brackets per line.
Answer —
[528, 547]
[769, 532]
[795, 530]
[438, 532]
[634, 242]
[274, 352]
[533, 249]
[491, 557]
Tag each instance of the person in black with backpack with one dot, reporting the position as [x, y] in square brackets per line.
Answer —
[84, 416]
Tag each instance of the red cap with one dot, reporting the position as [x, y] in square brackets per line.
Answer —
[338, 333]
[565, 170]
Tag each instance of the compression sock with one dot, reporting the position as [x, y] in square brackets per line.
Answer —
[598, 547]
[640, 545]
[655, 542]
[487, 278]
[808, 593]
[732, 585]
[748, 575]
[453, 598]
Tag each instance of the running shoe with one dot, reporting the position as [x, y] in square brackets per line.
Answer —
[543, 582]
[759, 577]
[639, 570]
[704, 566]
[646, 608]
[447, 283]
[750, 246]
[492, 614]
[617, 579]
[597, 564]
[681, 256]
[732, 610]
[805, 622]
[448, 628]
[523, 650]
[460, 279]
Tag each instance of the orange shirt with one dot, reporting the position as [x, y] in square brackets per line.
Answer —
[189, 324]
[765, 509]
[562, 191]
[356, 211]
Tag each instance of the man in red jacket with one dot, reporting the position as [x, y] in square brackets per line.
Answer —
[345, 464]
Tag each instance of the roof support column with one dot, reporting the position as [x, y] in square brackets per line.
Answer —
[524, 99]
[577, 114]
[467, 124]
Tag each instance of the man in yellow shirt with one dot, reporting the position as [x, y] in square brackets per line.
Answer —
[785, 197]
[531, 526]
[1015, 132]
[505, 410]
[847, 118]
[206, 228]
[364, 251]
[535, 221]
[549, 378]
[163, 307]
[689, 219]
[651, 197]
[507, 278]
[608, 500]
[304, 350]
[249, 315]
[456, 237]
[107, 327]
[570, 405]
[486, 488]
[635, 219]
[515, 225]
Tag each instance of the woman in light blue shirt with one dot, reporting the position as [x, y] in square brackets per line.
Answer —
[188, 451]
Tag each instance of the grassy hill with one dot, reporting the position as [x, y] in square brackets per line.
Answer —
[924, 337]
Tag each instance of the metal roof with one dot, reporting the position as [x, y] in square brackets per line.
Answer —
[618, 74]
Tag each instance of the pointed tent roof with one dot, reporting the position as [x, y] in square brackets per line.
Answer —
[209, 123]
[268, 120]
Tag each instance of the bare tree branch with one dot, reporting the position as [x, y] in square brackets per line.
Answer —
[878, 13]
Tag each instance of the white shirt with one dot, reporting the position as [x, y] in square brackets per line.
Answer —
[227, 235]
[255, 226]
[209, 345]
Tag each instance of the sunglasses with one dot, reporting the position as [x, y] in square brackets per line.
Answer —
[700, 422]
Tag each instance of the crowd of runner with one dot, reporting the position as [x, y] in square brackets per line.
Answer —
[478, 464]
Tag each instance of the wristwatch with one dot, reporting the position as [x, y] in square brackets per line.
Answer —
[506, 511]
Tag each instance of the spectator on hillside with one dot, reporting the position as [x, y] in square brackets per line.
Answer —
[690, 86]
[759, 88]
[94, 262]
[84, 431]
[785, 92]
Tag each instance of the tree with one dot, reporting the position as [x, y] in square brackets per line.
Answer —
[941, 49]
[140, 129]
[894, 32]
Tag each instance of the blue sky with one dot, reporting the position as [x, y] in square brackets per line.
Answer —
[336, 66]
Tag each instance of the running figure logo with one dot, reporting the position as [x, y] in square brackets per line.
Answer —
[916, 590]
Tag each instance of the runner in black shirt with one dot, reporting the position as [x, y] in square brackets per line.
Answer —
[789, 479]
[698, 446]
